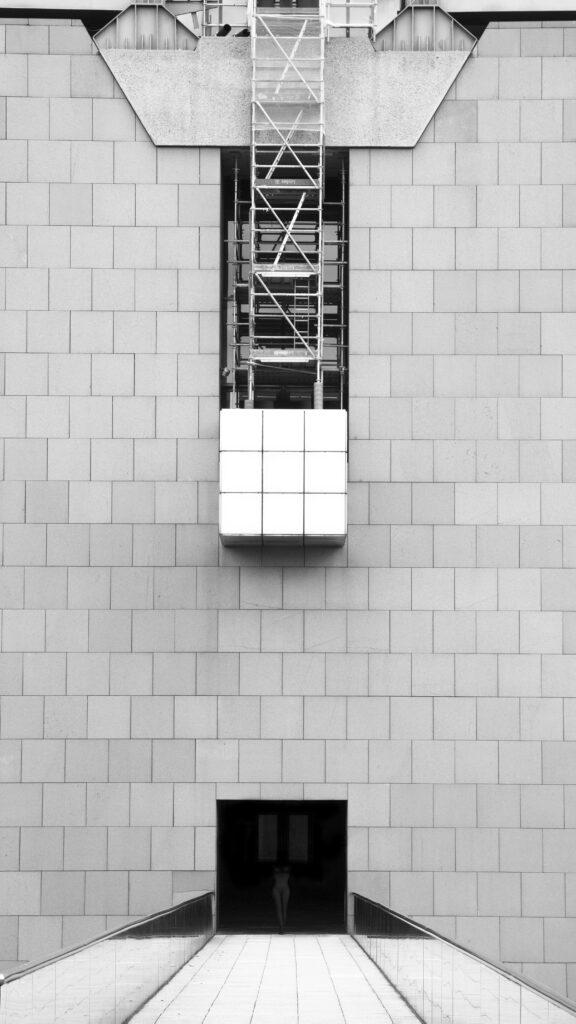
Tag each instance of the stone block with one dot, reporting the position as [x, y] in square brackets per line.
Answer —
[113, 289]
[65, 717]
[86, 760]
[27, 289]
[28, 118]
[64, 804]
[110, 545]
[49, 247]
[45, 587]
[456, 121]
[476, 248]
[114, 205]
[12, 500]
[389, 761]
[455, 893]
[70, 289]
[476, 761]
[199, 205]
[411, 805]
[48, 75]
[178, 165]
[129, 848]
[324, 630]
[134, 247]
[150, 891]
[498, 120]
[69, 38]
[89, 76]
[24, 544]
[156, 290]
[44, 673]
[410, 892]
[303, 760]
[217, 760]
[521, 939]
[85, 849]
[455, 291]
[542, 806]
[17, 625]
[158, 205]
[174, 760]
[303, 674]
[107, 804]
[87, 673]
[370, 206]
[260, 760]
[476, 163]
[540, 205]
[113, 120]
[92, 247]
[151, 803]
[518, 332]
[434, 164]
[13, 73]
[520, 849]
[198, 290]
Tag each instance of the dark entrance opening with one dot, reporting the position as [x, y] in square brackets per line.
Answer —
[256, 835]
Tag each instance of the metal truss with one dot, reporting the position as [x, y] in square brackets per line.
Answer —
[287, 183]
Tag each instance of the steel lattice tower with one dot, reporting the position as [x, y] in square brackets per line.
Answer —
[287, 182]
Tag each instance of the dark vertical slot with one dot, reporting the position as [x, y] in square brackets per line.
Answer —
[281, 385]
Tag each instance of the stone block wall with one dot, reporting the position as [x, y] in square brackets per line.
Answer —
[109, 321]
[425, 672]
[462, 499]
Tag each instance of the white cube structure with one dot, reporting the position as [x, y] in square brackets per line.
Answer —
[283, 476]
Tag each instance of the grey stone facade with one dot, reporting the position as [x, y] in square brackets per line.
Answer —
[425, 672]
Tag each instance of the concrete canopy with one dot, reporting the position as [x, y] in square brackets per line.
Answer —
[202, 98]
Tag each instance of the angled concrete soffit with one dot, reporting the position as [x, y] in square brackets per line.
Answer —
[380, 94]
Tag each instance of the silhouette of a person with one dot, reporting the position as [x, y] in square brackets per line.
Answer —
[281, 894]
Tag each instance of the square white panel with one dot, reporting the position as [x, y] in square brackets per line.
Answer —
[240, 471]
[325, 518]
[240, 430]
[241, 516]
[283, 471]
[283, 516]
[325, 472]
[283, 430]
[326, 430]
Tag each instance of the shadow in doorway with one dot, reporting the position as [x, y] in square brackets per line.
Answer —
[256, 835]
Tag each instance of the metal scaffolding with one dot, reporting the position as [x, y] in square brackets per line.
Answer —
[287, 183]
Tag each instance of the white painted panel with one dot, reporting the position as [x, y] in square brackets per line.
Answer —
[283, 471]
[240, 430]
[283, 430]
[326, 430]
[241, 471]
[283, 515]
[325, 472]
[325, 516]
[241, 515]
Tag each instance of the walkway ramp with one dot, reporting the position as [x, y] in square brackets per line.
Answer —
[278, 979]
[171, 967]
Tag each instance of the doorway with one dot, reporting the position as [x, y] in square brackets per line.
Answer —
[256, 835]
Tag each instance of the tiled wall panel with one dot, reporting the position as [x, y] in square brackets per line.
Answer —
[424, 671]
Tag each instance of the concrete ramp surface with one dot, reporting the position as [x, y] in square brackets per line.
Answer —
[278, 979]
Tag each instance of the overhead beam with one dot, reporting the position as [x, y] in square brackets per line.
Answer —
[498, 8]
[490, 8]
[74, 7]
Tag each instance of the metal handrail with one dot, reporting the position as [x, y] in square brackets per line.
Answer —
[506, 972]
[71, 950]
